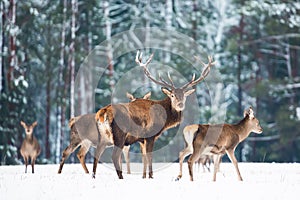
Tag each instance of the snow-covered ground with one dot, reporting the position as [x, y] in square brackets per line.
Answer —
[261, 181]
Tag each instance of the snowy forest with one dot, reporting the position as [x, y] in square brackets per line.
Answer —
[44, 45]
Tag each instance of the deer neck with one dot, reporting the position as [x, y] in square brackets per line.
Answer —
[29, 137]
[242, 129]
[173, 115]
[167, 104]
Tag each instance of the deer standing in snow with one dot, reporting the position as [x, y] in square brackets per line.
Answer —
[220, 139]
[188, 136]
[145, 120]
[84, 133]
[205, 161]
[30, 147]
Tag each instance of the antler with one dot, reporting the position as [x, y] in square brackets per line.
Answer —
[138, 60]
[204, 73]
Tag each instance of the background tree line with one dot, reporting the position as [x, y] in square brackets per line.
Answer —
[43, 44]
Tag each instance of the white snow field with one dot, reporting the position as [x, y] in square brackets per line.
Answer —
[261, 181]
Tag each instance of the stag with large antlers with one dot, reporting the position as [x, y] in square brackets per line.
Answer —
[145, 120]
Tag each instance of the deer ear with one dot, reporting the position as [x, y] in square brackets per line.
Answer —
[245, 113]
[130, 96]
[34, 123]
[189, 92]
[251, 113]
[23, 123]
[166, 91]
[147, 96]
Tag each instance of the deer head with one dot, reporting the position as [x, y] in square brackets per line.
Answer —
[28, 128]
[177, 95]
[253, 123]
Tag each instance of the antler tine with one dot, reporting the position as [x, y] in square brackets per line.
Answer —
[186, 85]
[171, 81]
[204, 72]
[165, 82]
[141, 55]
[210, 61]
[138, 60]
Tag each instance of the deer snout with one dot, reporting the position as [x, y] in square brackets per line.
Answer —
[28, 131]
[259, 130]
[180, 106]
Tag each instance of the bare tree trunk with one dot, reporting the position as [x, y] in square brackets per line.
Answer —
[295, 70]
[109, 46]
[12, 44]
[289, 70]
[83, 84]
[89, 88]
[72, 57]
[258, 56]
[60, 104]
[1, 44]
[48, 109]
[168, 18]
[239, 71]
[194, 20]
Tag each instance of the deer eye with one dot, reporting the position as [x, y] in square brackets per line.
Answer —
[172, 95]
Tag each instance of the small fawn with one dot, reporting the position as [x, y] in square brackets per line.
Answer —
[30, 146]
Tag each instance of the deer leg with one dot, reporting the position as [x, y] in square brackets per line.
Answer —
[182, 155]
[126, 156]
[99, 151]
[120, 162]
[217, 160]
[149, 150]
[144, 157]
[209, 163]
[117, 152]
[231, 155]
[206, 163]
[26, 163]
[32, 164]
[149, 161]
[81, 156]
[195, 156]
[68, 150]
[202, 162]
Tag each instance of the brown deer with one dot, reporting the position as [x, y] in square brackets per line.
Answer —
[188, 136]
[84, 133]
[30, 147]
[220, 139]
[145, 120]
[205, 161]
